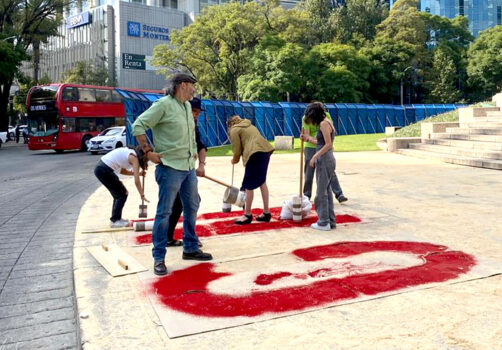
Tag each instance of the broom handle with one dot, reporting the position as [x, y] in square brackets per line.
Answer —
[217, 181]
[232, 175]
[143, 184]
[301, 167]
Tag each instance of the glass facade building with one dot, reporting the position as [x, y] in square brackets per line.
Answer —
[482, 14]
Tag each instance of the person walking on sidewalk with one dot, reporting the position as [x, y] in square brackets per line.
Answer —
[171, 121]
[128, 162]
[309, 133]
[255, 151]
[196, 104]
[324, 162]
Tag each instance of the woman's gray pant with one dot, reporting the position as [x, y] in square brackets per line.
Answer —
[309, 176]
[324, 197]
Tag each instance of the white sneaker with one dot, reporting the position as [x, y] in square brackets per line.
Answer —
[315, 226]
[119, 223]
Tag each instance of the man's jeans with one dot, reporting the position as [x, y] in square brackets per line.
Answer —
[172, 181]
[309, 176]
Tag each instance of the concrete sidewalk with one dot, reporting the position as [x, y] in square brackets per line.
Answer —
[394, 195]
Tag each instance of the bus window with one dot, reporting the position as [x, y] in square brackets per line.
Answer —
[103, 95]
[87, 95]
[105, 123]
[116, 96]
[42, 93]
[68, 124]
[70, 94]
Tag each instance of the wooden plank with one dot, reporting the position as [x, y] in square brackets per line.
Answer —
[104, 230]
[115, 260]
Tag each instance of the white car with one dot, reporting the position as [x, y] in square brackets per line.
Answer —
[12, 132]
[108, 140]
[3, 137]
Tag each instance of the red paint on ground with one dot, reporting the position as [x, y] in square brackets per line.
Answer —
[265, 279]
[226, 227]
[186, 290]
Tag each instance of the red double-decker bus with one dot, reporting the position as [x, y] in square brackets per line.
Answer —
[66, 116]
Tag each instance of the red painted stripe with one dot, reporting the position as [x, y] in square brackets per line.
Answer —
[226, 227]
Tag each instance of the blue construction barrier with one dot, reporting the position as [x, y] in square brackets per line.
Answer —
[285, 118]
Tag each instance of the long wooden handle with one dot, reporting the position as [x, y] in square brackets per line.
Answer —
[217, 181]
[301, 167]
[232, 175]
[143, 184]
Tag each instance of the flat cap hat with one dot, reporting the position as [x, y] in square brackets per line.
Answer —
[179, 78]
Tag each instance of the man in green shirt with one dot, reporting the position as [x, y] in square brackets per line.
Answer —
[171, 121]
[310, 132]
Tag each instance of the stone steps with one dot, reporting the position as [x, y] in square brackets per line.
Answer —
[464, 152]
[474, 130]
[468, 137]
[453, 159]
[479, 145]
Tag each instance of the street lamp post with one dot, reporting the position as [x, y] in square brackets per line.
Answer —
[402, 88]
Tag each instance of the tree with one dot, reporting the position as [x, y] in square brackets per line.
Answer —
[358, 20]
[389, 59]
[443, 80]
[336, 73]
[216, 47]
[405, 23]
[87, 74]
[275, 71]
[319, 12]
[484, 64]
[21, 21]
[25, 84]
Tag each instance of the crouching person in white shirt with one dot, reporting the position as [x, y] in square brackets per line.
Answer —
[128, 162]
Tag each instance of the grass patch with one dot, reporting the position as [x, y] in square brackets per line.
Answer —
[346, 143]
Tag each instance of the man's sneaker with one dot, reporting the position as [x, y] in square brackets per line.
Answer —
[342, 199]
[119, 223]
[159, 268]
[315, 226]
[197, 255]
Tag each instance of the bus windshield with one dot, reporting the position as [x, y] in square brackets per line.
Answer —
[44, 93]
[43, 125]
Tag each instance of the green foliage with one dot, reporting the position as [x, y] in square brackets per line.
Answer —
[336, 73]
[25, 22]
[443, 79]
[216, 47]
[389, 59]
[405, 23]
[319, 12]
[357, 20]
[275, 68]
[484, 66]
[87, 74]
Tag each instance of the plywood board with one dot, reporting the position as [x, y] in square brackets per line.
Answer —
[114, 259]
[216, 295]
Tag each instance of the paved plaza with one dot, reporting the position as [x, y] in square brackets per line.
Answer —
[396, 197]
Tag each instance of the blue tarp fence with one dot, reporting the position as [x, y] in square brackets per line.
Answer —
[284, 118]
